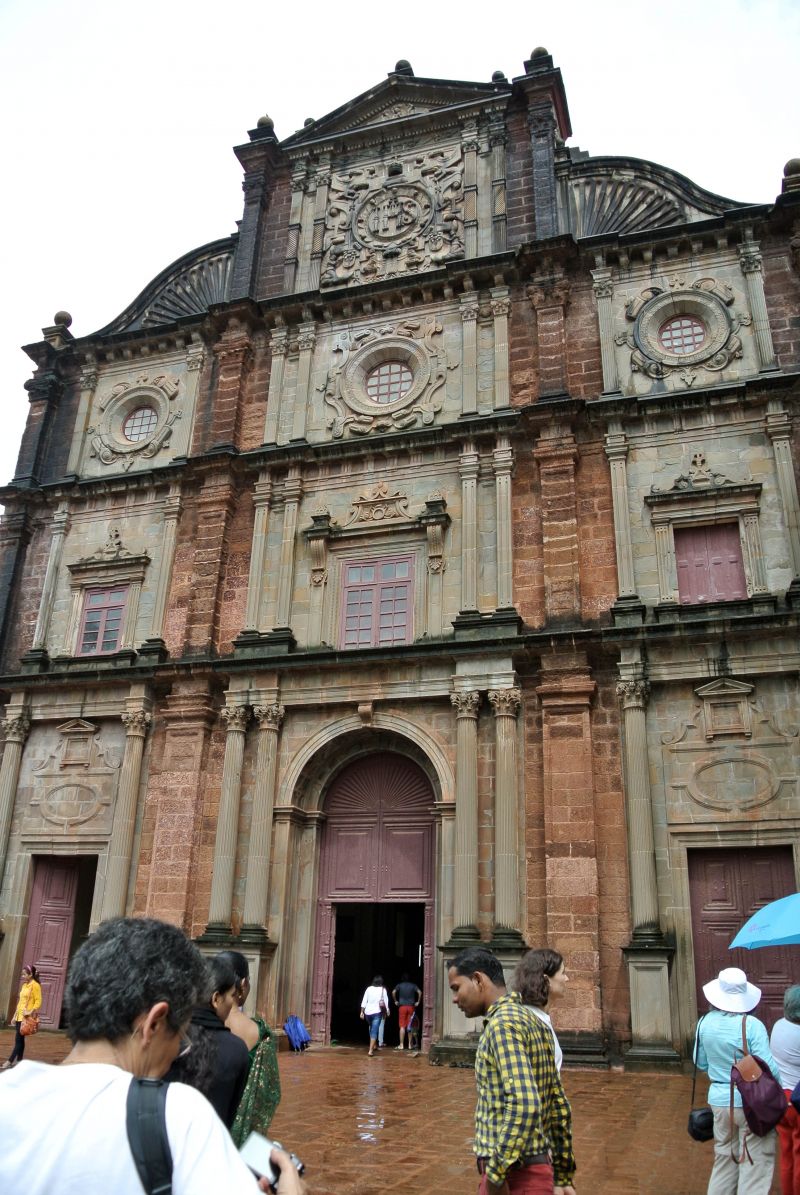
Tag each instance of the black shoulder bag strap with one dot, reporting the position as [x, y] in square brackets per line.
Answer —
[696, 1044]
[147, 1134]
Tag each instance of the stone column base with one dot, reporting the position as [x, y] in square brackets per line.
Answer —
[453, 1051]
[649, 959]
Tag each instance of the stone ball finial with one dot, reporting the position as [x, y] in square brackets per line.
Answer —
[792, 168]
[403, 67]
[264, 122]
[540, 52]
[499, 77]
[62, 319]
[308, 120]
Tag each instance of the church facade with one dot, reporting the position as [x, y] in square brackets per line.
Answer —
[420, 566]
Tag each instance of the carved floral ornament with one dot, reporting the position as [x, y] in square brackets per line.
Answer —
[706, 300]
[107, 437]
[75, 782]
[395, 218]
[416, 344]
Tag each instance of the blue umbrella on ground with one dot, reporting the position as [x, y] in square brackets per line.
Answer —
[777, 924]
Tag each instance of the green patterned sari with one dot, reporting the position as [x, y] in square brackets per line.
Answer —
[262, 1092]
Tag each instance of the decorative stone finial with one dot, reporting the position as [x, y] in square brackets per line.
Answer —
[62, 319]
[308, 120]
[540, 52]
[264, 122]
[791, 175]
[499, 77]
[403, 67]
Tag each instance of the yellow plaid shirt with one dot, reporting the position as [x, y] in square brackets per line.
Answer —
[522, 1108]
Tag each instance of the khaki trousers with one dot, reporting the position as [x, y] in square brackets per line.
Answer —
[728, 1178]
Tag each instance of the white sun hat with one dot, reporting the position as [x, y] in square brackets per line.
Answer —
[731, 992]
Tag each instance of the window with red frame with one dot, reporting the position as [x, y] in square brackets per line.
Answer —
[709, 561]
[377, 602]
[101, 624]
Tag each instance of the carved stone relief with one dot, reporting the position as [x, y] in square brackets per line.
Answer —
[695, 474]
[108, 441]
[396, 218]
[729, 756]
[417, 344]
[75, 784]
[710, 301]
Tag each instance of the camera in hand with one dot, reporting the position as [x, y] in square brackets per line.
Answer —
[256, 1153]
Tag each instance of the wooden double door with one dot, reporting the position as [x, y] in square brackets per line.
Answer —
[376, 890]
[726, 887]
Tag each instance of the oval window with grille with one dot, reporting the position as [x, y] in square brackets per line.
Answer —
[140, 424]
[388, 382]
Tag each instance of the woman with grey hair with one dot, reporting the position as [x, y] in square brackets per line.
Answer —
[129, 996]
[785, 1045]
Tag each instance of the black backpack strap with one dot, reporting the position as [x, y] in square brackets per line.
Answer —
[147, 1134]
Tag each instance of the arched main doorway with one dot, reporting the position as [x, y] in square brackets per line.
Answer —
[375, 906]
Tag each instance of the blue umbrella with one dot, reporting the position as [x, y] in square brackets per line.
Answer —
[777, 924]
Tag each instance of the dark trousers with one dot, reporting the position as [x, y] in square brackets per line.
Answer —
[19, 1044]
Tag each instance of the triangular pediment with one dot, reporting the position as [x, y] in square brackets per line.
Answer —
[724, 688]
[396, 99]
[76, 726]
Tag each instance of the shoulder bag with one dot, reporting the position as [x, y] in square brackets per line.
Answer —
[701, 1120]
[763, 1098]
[29, 1024]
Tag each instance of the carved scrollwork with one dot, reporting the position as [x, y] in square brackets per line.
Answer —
[136, 722]
[107, 439]
[379, 507]
[269, 717]
[697, 475]
[396, 219]
[235, 718]
[417, 344]
[505, 702]
[466, 704]
[16, 728]
[633, 694]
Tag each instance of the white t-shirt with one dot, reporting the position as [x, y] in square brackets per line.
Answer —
[784, 1043]
[545, 1016]
[63, 1133]
[371, 1000]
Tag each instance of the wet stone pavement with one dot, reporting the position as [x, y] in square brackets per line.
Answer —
[392, 1123]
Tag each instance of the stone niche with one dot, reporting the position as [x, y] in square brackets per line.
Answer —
[397, 217]
[70, 784]
[729, 759]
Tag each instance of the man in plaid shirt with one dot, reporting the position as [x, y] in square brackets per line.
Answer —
[523, 1121]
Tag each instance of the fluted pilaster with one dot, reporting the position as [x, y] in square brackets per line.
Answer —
[465, 899]
[506, 704]
[644, 888]
[115, 892]
[221, 906]
[15, 728]
[256, 895]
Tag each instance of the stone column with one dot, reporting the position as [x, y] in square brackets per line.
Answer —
[469, 468]
[221, 906]
[256, 895]
[435, 520]
[469, 353]
[470, 146]
[503, 461]
[295, 226]
[88, 385]
[322, 180]
[262, 494]
[603, 292]
[627, 610]
[317, 537]
[292, 492]
[172, 513]
[500, 308]
[497, 144]
[60, 529]
[506, 703]
[549, 298]
[16, 725]
[779, 427]
[465, 895]
[306, 340]
[136, 720]
[542, 125]
[279, 345]
[751, 266]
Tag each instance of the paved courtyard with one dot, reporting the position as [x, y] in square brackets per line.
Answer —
[393, 1123]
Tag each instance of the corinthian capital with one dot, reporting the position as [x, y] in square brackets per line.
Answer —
[633, 693]
[269, 717]
[16, 728]
[136, 722]
[505, 702]
[236, 718]
[466, 704]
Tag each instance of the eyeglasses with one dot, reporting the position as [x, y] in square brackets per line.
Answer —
[185, 1047]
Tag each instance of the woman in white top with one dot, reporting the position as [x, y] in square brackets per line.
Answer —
[374, 1003]
[784, 1044]
[541, 976]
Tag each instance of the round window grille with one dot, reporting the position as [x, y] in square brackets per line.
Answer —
[140, 424]
[388, 382]
[682, 334]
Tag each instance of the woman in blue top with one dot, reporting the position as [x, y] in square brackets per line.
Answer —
[718, 1045]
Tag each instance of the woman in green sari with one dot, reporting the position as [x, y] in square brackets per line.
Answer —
[262, 1091]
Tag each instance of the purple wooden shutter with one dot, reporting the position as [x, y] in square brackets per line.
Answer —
[709, 562]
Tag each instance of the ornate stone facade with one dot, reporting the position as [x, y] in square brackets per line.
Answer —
[460, 484]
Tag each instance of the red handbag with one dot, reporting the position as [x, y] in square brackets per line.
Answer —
[29, 1024]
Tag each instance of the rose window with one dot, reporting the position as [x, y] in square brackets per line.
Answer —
[682, 334]
[388, 382]
[140, 424]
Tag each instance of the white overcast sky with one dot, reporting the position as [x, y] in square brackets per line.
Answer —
[119, 118]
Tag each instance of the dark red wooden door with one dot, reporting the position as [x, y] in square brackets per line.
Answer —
[378, 845]
[50, 925]
[726, 887]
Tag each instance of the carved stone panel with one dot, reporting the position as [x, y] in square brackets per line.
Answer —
[396, 218]
[729, 757]
[71, 790]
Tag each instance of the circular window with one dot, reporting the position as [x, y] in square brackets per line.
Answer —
[682, 334]
[140, 424]
[388, 382]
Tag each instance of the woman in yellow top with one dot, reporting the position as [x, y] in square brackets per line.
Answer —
[30, 1000]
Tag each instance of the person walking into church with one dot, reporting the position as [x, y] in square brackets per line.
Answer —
[374, 1005]
[406, 996]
